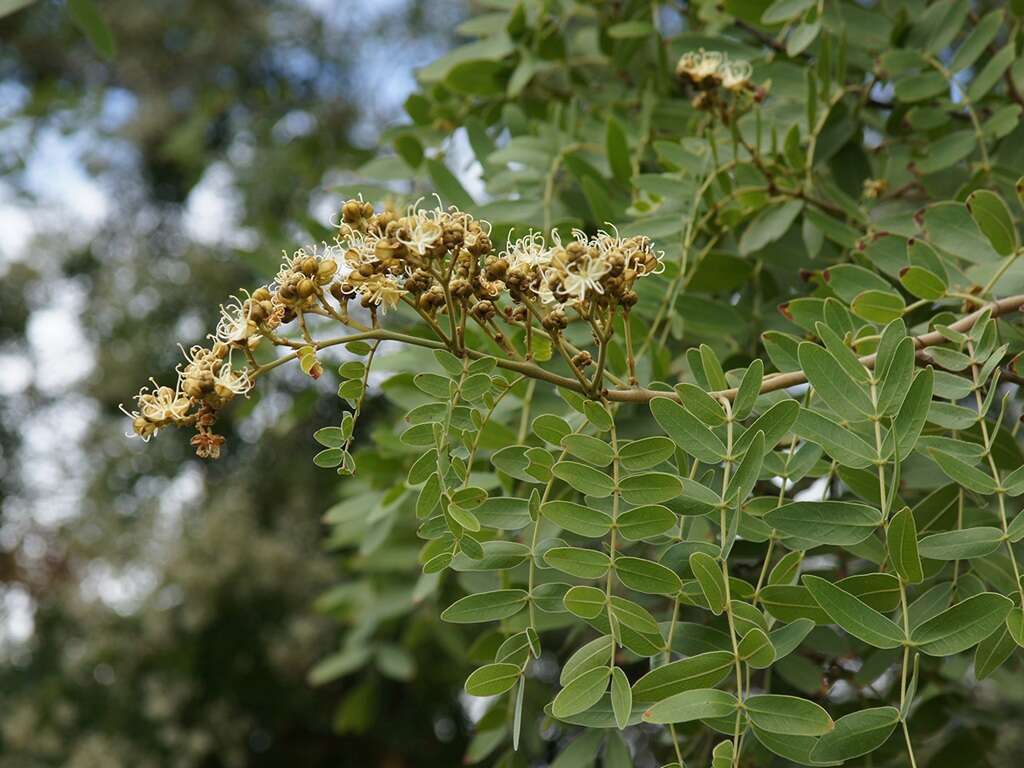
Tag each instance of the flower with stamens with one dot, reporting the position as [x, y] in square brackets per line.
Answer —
[584, 275]
[228, 382]
[423, 234]
[709, 64]
[236, 325]
[736, 75]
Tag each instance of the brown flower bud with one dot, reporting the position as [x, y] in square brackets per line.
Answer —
[325, 271]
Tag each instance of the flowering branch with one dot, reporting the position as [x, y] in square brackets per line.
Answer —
[439, 262]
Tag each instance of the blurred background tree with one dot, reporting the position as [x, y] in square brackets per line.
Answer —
[154, 610]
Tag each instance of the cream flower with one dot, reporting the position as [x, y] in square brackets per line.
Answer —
[529, 251]
[709, 64]
[736, 74]
[236, 325]
[583, 275]
[228, 382]
[423, 234]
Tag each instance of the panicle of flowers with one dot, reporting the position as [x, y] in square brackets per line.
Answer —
[435, 260]
[585, 273]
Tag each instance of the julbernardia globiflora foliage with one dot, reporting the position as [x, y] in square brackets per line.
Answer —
[695, 530]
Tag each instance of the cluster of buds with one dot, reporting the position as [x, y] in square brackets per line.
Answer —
[433, 256]
[874, 188]
[301, 279]
[437, 261]
[585, 274]
[709, 72]
[207, 381]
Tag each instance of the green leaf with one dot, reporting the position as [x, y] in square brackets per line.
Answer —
[901, 539]
[633, 616]
[947, 151]
[492, 679]
[582, 693]
[592, 450]
[622, 697]
[449, 187]
[839, 442]
[789, 715]
[697, 499]
[896, 377]
[788, 637]
[585, 602]
[742, 482]
[878, 306]
[921, 87]
[1015, 625]
[586, 480]
[964, 625]
[839, 523]
[691, 705]
[856, 734]
[597, 415]
[331, 457]
[1014, 482]
[854, 615]
[618, 151]
[503, 512]
[838, 349]
[701, 404]
[700, 671]
[576, 561]
[922, 283]
[634, 28]
[646, 522]
[709, 575]
[787, 569]
[992, 71]
[769, 225]
[481, 77]
[756, 649]
[963, 473]
[775, 423]
[992, 652]
[650, 488]
[750, 386]
[712, 368]
[981, 36]
[913, 413]
[689, 433]
[784, 10]
[486, 606]
[87, 18]
[577, 519]
[963, 544]
[850, 280]
[792, 602]
[645, 453]
[994, 220]
[848, 398]
[646, 576]
[551, 428]
[801, 37]
[588, 656]
[430, 496]
[463, 517]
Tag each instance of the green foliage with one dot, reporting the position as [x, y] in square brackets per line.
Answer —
[769, 527]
